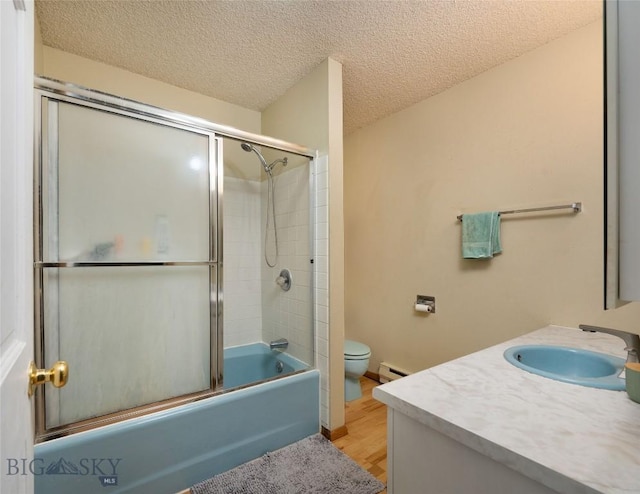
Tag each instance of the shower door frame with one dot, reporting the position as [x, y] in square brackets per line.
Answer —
[100, 102]
[70, 93]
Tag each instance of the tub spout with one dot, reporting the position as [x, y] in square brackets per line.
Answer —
[282, 343]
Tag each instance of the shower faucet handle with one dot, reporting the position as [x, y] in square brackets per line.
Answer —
[284, 280]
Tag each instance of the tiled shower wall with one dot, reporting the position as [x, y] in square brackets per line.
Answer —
[256, 309]
[321, 312]
[289, 314]
[242, 260]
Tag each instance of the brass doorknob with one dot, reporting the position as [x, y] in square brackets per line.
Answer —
[58, 375]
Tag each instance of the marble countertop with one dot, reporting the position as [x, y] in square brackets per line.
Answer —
[573, 439]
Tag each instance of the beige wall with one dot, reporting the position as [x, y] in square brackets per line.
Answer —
[66, 67]
[527, 133]
[310, 113]
[38, 63]
[300, 115]
[336, 245]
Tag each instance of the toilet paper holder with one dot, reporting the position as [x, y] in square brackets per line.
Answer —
[425, 303]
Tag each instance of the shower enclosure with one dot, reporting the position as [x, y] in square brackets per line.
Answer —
[151, 279]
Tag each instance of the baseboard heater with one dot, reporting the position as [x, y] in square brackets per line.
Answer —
[389, 372]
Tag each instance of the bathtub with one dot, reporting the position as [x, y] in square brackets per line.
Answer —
[256, 362]
[168, 451]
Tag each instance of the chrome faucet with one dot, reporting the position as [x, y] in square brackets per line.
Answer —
[281, 343]
[631, 340]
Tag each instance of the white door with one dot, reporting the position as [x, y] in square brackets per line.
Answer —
[16, 244]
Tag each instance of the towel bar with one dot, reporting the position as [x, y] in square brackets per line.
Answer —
[576, 206]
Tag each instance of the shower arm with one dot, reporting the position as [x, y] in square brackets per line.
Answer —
[274, 163]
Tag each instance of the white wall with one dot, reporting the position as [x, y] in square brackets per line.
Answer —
[527, 133]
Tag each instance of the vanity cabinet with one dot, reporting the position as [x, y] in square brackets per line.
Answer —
[422, 460]
[480, 425]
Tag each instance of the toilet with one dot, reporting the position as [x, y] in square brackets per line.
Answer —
[356, 363]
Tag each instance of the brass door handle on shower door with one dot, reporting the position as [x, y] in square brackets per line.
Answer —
[58, 375]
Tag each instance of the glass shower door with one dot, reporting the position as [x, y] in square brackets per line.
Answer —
[126, 261]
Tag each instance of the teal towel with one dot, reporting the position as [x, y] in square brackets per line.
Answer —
[481, 235]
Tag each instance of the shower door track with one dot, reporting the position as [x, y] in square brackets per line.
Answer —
[73, 92]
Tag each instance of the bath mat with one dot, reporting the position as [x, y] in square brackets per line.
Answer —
[312, 465]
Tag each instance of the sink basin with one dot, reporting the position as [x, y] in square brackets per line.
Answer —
[570, 365]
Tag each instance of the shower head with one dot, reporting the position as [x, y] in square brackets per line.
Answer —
[248, 148]
[267, 168]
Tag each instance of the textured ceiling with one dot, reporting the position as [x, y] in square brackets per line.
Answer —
[394, 53]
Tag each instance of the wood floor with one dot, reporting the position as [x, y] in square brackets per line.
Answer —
[366, 441]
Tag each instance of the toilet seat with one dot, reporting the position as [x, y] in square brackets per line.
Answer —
[354, 350]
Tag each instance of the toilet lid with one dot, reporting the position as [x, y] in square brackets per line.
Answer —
[355, 349]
